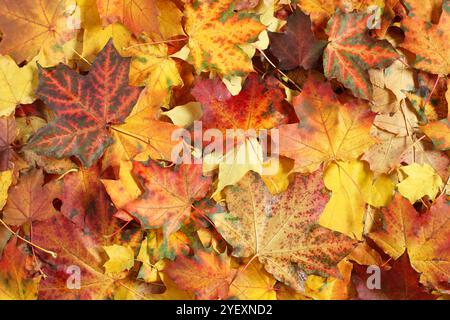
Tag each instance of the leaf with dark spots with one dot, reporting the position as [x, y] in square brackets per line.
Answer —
[84, 107]
[282, 231]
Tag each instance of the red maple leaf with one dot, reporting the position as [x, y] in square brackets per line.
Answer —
[84, 106]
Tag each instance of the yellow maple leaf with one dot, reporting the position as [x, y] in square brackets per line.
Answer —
[215, 33]
[353, 186]
[248, 156]
[17, 85]
[421, 180]
[120, 258]
[142, 134]
[151, 66]
[253, 283]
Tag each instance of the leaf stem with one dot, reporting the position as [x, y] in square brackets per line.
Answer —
[432, 91]
[278, 70]
[117, 231]
[52, 253]
[129, 134]
[81, 57]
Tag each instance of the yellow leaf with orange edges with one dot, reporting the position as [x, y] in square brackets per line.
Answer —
[215, 32]
[29, 27]
[328, 129]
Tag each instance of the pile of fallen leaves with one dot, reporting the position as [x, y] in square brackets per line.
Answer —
[91, 92]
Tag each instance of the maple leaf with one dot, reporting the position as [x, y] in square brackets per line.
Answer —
[207, 274]
[85, 107]
[85, 202]
[420, 180]
[215, 32]
[259, 105]
[74, 248]
[7, 135]
[297, 46]
[439, 133]
[168, 194]
[424, 236]
[392, 149]
[152, 66]
[82, 157]
[429, 42]
[144, 135]
[401, 282]
[136, 15]
[253, 283]
[351, 52]
[78, 236]
[16, 85]
[353, 187]
[30, 200]
[15, 280]
[120, 258]
[29, 27]
[282, 231]
[328, 130]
